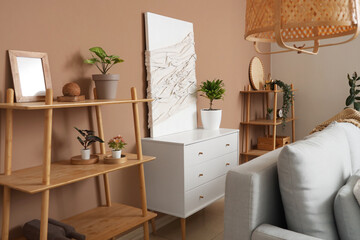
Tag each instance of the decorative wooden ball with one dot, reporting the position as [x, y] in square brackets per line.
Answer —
[71, 89]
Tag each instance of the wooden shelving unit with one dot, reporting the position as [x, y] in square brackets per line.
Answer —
[103, 222]
[247, 151]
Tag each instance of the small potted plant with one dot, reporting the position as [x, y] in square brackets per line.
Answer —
[88, 139]
[213, 90]
[106, 84]
[117, 144]
[269, 114]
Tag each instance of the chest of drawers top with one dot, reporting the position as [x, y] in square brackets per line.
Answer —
[193, 136]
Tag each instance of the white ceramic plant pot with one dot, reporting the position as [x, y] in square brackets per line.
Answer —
[116, 154]
[211, 119]
[85, 154]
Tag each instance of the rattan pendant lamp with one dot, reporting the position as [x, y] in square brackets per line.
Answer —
[284, 21]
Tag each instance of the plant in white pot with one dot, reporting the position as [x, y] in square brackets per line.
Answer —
[117, 144]
[213, 90]
[88, 139]
[106, 84]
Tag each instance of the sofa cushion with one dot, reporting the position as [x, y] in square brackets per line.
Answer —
[347, 210]
[356, 191]
[353, 135]
[311, 171]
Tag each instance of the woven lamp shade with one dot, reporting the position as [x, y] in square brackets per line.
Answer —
[284, 21]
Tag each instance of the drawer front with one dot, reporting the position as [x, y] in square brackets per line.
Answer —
[199, 152]
[209, 170]
[204, 195]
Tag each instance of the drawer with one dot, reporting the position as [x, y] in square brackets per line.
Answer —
[209, 170]
[204, 195]
[202, 151]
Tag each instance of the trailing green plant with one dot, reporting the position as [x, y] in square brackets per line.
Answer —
[288, 96]
[89, 138]
[213, 90]
[102, 61]
[354, 91]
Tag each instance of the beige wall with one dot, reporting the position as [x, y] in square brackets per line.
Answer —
[65, 30]
[321, 82]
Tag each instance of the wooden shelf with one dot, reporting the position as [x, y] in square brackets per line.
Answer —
[86, 103]
[107, 222]
[265, 122]
[29, 180]
[254, 152]
[264, 91]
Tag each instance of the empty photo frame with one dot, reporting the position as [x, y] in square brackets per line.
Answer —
[31, 75]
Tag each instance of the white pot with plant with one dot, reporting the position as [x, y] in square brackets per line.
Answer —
[213, 90]
[88, 139]
[117, 144]
[106, 84]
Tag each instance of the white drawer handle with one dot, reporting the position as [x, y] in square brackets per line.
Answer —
[201, 197]
[200, 153]
[227, 164]
[200, 175]
[227, 145]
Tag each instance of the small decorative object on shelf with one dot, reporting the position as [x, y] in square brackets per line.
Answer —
[89, 138]
[279, 113]
[106, 84]
[117, 144]
[269, 114]
[71, 93]
[288, 96]
[354, 91]
[256, 73]
[213, 90]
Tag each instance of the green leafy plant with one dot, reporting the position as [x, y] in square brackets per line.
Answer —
[270, 110]
[288, 96]
[213, 90]
[354, 91]
[89, 138]
[117, 143]
[102, 61]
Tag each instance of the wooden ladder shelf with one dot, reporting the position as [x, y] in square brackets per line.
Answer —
[103, 222]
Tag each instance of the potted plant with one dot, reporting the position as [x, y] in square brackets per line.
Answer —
[288, 96]
[213, 90]
[354, 91]
[88, 139]
[117, 144]
[269, 114]
[106, 84]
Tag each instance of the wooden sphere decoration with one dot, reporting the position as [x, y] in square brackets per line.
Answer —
[71, 89]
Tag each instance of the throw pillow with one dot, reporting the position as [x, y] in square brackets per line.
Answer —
[347, 210]
[311, 171]
[356, 191]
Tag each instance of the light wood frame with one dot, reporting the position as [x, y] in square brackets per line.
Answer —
[13, 54]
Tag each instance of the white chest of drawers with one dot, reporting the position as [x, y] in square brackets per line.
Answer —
[190, 169]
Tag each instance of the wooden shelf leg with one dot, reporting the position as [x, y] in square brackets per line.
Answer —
[183, 228]
[274, 118]
[140, 157]
[247, 128]
[8, 159]
[293, 116]
[102, 150]
[46, 165]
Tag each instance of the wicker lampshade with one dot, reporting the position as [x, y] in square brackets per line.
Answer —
[284, 21]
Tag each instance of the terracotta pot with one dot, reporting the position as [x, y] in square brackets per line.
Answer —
[211, 119]
[106, 85]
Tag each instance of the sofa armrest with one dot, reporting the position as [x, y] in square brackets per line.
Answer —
[270, 232]
[252, 197]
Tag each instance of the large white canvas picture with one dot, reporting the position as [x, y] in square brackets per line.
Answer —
[170, 62]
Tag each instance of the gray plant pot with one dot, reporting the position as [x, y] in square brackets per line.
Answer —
[106, 85]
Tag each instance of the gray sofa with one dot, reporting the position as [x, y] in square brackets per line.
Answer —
[253, 202]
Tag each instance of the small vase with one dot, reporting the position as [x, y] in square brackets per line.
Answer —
[85, 154]
[116, 154]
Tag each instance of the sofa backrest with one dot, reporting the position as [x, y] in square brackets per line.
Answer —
[311, 171]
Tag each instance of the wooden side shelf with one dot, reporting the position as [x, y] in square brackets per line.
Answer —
[247, 151]
[104, 222]
[107, 222]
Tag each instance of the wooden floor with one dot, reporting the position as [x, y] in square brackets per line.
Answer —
[207, 224]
